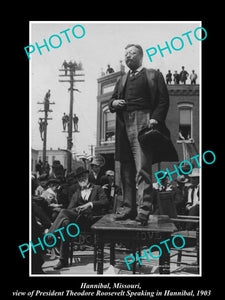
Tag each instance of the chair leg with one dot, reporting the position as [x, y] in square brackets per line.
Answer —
[179, 255]
[139, 254]
[114, 204]
[95, 257]
[134, 254]
[197, 247]
[71, 253]
[112, 253]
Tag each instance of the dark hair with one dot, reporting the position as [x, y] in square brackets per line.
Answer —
[137, 46]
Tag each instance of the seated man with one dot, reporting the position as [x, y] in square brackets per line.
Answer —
[166, 185]
[109, 186]
[40, 184]
[89, 200]
[180, 194]
[47, 200]
[96, 171]
[192, 205]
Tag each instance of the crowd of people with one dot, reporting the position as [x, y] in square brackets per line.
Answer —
[181, 77]
[59, 199]
[175, 78]
[185, 193]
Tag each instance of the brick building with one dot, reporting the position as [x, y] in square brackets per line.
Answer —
[182, 121]
[54, 154]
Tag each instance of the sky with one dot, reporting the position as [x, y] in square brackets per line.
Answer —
[102, 44]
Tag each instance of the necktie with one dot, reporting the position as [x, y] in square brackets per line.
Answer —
[133, 73]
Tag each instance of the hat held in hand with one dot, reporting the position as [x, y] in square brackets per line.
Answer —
[153, 136]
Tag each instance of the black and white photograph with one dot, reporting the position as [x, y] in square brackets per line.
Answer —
[115, 148]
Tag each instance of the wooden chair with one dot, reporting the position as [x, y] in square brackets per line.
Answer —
[85, 235]
[166, 206]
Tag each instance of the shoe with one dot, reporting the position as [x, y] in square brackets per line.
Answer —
[125, 216]
[143, 219]
[61, 264]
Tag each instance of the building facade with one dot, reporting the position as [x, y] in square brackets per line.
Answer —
[182, 121]
[51, 155]
[54, 154]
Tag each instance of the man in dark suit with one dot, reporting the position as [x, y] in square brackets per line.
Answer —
[89, 200]
[140, 99]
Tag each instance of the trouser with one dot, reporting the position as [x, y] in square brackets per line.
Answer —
[64, 218]
[136, 175]
[39, 211]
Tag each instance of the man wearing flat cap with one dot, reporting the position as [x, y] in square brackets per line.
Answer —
[89, 200]
[96, 170]
[140, 99]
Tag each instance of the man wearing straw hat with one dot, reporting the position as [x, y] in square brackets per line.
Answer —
[89, 200]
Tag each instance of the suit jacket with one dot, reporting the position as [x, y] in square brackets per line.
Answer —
[100, 206]
[94, 180]
[97, 197]
[159, 105]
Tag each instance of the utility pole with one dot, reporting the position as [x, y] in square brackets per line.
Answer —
[92, 149]
[44, 121]
[72, 67]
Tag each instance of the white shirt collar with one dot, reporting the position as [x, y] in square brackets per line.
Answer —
[139, 69]
[136, 71]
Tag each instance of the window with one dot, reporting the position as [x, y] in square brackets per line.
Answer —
[185, 122]
[108, 88]
[108, 130]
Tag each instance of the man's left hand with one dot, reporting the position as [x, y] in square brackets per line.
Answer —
[152, 122]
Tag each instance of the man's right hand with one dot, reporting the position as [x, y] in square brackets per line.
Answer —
[118, 104]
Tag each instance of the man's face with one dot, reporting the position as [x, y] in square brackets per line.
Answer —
[96, 168]
[133, 58]
[111, 179]
[83, 180]
[43, 183]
